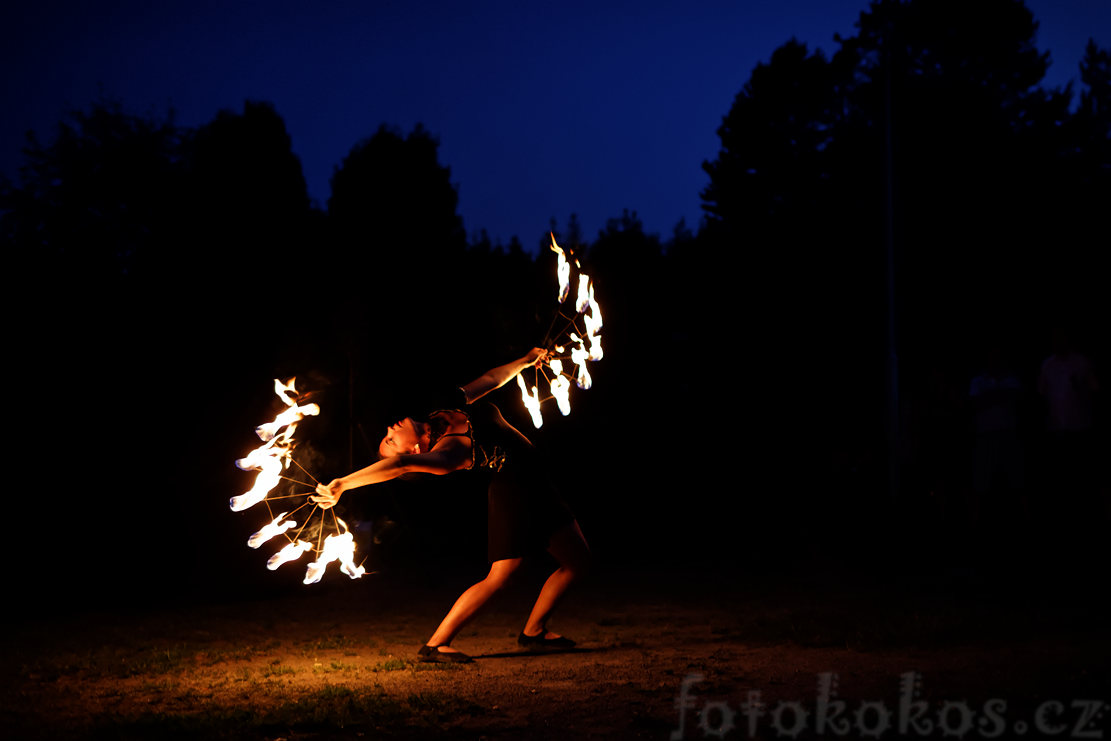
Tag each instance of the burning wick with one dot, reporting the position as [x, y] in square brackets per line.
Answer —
[271, 459]
[587, 347]
[532, 402]
[270, 530]
[291, 552]
[339, 547]
[274, 455]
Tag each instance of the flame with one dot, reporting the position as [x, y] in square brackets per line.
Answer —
[270, 459]
[339, 547]
[561, 387]
[268, 477]
[269, 531]
[532, 402]
[287, 392]
[291, 552]
[584, 349]
[579, 356]
[583, 299]
[563, 270]
[592, 320]
[286, 419]
[273, 456]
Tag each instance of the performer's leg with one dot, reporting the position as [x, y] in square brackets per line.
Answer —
[471, 601]
[569, 548]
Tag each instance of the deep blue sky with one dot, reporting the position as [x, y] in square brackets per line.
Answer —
[542, 109]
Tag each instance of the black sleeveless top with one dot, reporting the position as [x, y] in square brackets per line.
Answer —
[524, 508]
[494, 442]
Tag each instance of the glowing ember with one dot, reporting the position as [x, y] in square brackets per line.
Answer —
[269, 531]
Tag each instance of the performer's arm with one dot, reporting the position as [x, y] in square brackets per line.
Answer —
[451, 457]
[498, 377]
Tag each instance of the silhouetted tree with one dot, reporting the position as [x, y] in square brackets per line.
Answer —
[771, 165]
[393, 208]
[249, 242]
[574, 233]
[1095, 100]
[247, 195]
[627, 267]
[681, 236]
[989, 215]
[1079, 189]
[960, 84]
[397, 247]
[92, 201]
[1092, 124]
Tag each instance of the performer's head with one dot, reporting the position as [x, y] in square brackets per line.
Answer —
[405, 436]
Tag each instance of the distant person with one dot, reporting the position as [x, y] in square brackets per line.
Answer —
[1068, 384]
[525, 513]
[995, 395]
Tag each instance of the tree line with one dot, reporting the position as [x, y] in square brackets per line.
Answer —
[175, 263]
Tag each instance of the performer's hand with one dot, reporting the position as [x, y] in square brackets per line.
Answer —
[537, 356]
[328, 495]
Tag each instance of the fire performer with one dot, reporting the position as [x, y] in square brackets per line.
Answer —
[525, 513]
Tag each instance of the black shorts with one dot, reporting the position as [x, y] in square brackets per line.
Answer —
[524, 510]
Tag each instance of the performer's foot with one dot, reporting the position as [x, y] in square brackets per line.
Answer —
[544, 639]
[443, 653]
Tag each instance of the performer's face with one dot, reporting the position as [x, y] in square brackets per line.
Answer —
[403, 436]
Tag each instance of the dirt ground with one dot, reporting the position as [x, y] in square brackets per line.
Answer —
[339, 662]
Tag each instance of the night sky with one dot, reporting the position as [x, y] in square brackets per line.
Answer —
[542, 110]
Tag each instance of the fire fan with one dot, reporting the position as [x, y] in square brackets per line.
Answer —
[578, 341]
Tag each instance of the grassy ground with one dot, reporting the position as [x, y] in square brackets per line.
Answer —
[340, 662]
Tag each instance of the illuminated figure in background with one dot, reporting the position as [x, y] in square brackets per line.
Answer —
[525, 513]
